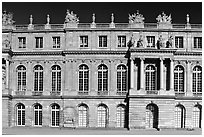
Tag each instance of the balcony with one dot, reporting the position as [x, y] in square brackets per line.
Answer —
[180, 94]
[152, 92]
[197, 94]
[83, 93]
[121, 93]
[20, 93]
[55, 93]
[102, 93]
[37, 93]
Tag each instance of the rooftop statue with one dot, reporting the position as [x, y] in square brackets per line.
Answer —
[71, 17]
[164, 18]
[136, 18]
[7, 18]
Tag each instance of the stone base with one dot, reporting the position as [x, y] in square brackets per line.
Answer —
[136, 25]
[112, 25]
[30, 27]
[71, 25]
[93, 25]
[47, 26]
[164, 26]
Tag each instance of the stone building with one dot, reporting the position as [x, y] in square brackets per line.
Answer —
[105, 75]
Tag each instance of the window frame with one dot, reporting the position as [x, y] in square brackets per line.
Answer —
[38, 42]
[56, 42]
[83, 41]
[179, 39]
[197, 43]
[150, 41]
[22, 114]
[102, 40]
[21, 42]
[121, 41]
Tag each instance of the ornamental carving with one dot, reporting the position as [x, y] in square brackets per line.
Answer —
[3, 77]
[140, 41]
[169, 43]
[163, 18]
[71, 17]
[6, 42]
[136, 18]
[7, 18]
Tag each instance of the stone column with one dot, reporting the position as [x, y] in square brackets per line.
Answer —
[132, 73]
[188, 78]
[142, 73]
[171, 74]
[161, 74]
[7, 73]
[29, 79]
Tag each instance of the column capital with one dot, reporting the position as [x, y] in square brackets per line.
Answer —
[161, 58]
[142, 58]
[132, 58]
[172, 59]
[188, 61]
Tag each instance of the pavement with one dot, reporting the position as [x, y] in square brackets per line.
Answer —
[68, 131]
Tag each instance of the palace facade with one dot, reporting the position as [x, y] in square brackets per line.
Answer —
[102, 75]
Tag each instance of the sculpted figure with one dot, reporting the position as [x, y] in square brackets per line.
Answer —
[71, 17]
[164, 18]
[136, 18]
[159, 42]
[140, 42]
[7, 19]
[169, 43]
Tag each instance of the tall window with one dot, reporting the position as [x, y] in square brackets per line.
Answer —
[83, 116]
[38, 78]
[150, 41]
[56, 78]
[83, 41]
[83, 78]
[38, 115]
[180, 114]
[152, 116]
[179, 79]
[197, 80]
[56, 42]
[55, 115]
[102, 41]
[20, 112]
[21, 75]
[121, 41]
[197, 43]
[120, 116]
[121, 78]
[39, 42]
[197, 113]
[150, 78]
[22, 42]
[102, 116]
[102, 78]
[179, 42]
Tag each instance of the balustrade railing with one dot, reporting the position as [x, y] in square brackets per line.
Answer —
[20, 93]
[37, 93]
[55, 93]
[154, 92]
[102, 93]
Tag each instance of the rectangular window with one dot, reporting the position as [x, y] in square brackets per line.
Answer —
[22, 42]
[102, 41]
[39, 42]
[56, 42]
[179, 42]
[83, 41]
[197, 42]
[121, 41]
[150, 41]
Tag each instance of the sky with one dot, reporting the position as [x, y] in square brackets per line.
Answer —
[84, 10]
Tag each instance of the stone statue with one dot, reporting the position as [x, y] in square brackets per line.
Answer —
[31, 19]
[71, 17]
[3, 77]
[164, 18]
[112, 18]
[169, 43]
[48, 19]
[93, 18]
[131, 42]
[136, 18]
[159, 42]
[140, 42]
[187, 18]
[7, 19]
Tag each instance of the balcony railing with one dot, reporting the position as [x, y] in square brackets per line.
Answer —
[121, 93]
[152, 92]
[102, 93]
[20, 93]
[55, 93]
[37, 93]
[197, 94]
[83, 93]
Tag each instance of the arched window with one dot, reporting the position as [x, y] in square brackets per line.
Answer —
[21, 78]
[20, 114]
[197, 80]
[150, 78]
[37, 115]
[197, 114]
[83, 115]
[120, 116]
[56, 78]
[38, 78]
[83, 78]
[121, 78]
[55, 115]
[102, 78]
[180, 116]
[102, 115]
[152, 116]
[179, 79]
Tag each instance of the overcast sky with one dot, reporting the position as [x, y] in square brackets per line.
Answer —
[57, 11]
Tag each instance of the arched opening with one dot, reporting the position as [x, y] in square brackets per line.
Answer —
[197, 116]
[55, 115]
[102, 115]
[152, 114]
[37, 114]
[20, 114]
[83, 115]
[180, 116]
[120, 117]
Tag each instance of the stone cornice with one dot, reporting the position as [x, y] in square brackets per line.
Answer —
[188, 53]
[165, 97]
[153, 50]
[95, 52]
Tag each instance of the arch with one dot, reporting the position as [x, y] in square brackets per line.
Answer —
[150, 78]
[56, 67]
[197, 116]
[83, 66]
[197, 80]
[37, 114]
[180, 116]
[152, 116]
[120, 115]
[55, 115]
[38, 67]
[83, 115]
[102, 113]
[179, 79]
[21, 67]
[20, 114]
